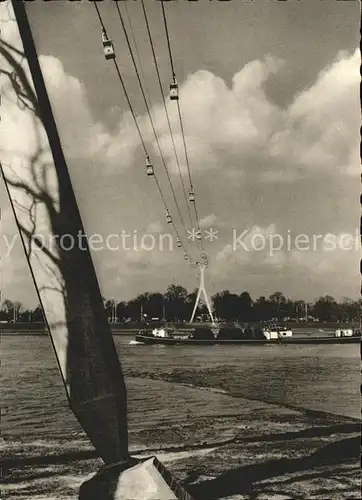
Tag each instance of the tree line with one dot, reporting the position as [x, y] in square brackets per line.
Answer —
[176, 305]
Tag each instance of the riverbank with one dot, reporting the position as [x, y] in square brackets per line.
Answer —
[263, 452]
[259, 423]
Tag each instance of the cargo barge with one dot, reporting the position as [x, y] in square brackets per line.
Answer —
[162, 335]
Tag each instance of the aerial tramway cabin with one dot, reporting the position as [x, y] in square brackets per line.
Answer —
[108, 48]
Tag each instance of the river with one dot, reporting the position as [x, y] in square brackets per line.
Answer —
[181, 399]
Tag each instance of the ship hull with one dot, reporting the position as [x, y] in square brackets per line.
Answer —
[187, 341]
[321, 340]
[149, 340]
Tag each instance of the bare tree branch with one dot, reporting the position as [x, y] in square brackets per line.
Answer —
[28, 92]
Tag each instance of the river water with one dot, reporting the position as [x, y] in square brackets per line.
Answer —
[172, 392]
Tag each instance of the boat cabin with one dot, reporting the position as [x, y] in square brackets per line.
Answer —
[275, 332]
[346, 332]
[160, 332]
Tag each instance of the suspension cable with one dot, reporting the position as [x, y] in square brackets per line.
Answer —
[181, 123]
[137, 52]
[168, 39]
[139, 132]
[165, 108]
[150, 117]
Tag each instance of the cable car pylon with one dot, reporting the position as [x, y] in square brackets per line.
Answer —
[202, 290]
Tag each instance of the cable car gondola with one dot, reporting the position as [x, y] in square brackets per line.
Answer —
[108, 48]
[168, 216]
[174, 90]
[149, 167]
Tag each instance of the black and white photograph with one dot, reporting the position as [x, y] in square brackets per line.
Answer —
[180, 248]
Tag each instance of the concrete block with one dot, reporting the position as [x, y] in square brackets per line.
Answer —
[143, 480]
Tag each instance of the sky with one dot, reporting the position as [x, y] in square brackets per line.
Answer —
[269, 95]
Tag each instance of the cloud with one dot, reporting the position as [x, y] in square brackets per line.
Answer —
[209, 220]
[218, 118]
[154, 227]
[327, 256]
[248, 246]
[240, 130]
[80, 135]
[320, 131]
[287, 259]
[234, 128]
[236, 137]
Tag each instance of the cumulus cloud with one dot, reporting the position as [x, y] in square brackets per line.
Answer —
[218, 119]
[235, 135]
[209, 220]
[247, 246]
[80, 135]
[288, 257]
[237, 127]
[320, 129]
